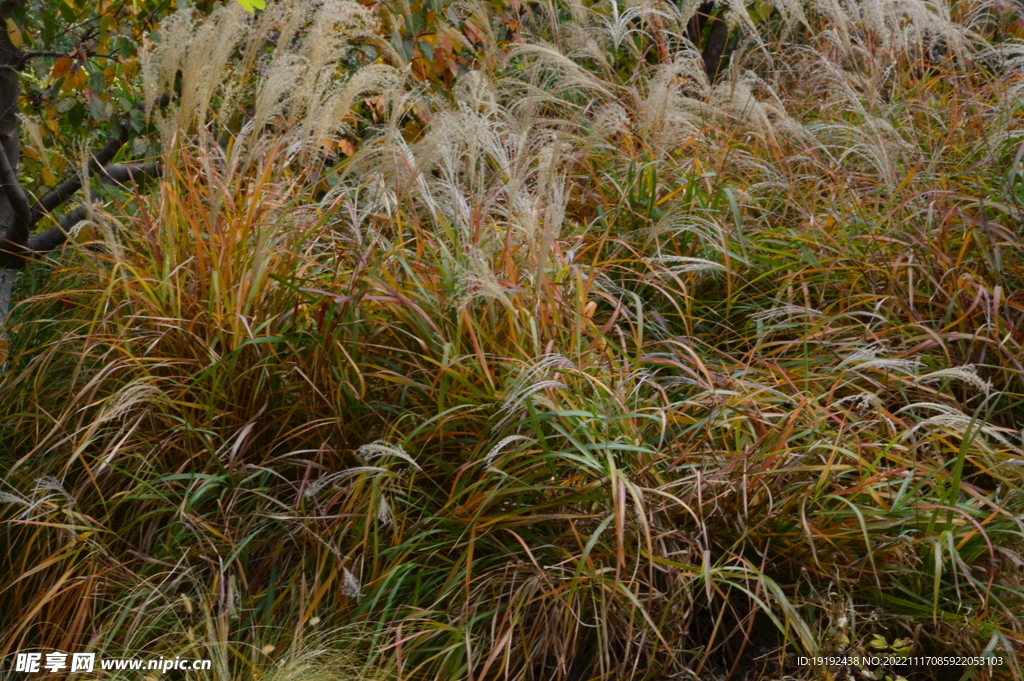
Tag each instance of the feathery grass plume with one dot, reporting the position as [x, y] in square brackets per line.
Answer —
[872, 356]
[337, 102]
[481, 282]
[300, 87]
[736, 99]
[331, 479]
[331, 656]
[861, 401]
[528, 383]
[548, 364]
[608, 120]
[966, 374]
[678, 222]
[142, 394]
[785, 311]
[278, 91]
[49, 483]
[200, 54]
[160, 63]
[618, 25]
[494, 451]
[6, 498]
[959, 422]
[515, 399]
[351, 586]
[671, 107]
[384, 516]
[383, 448]
[546, 63]
[678, 264]
[581, 44]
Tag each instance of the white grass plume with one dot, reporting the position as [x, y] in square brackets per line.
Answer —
[383, 448]
[384, 510]
[957, 421]
[860, 401]
[966, 374]
[331, 479]
[529, 383]
[6, 498]
[786, 311]
[678, 264]
[872, 356]
[496, 449]
[351, 586]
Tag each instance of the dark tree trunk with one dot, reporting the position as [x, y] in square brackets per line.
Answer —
[10, 146]
[10, 93]
[713, 48]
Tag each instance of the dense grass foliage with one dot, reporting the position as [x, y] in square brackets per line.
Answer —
[583, 368]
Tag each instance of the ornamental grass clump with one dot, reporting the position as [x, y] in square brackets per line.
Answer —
[590, 366]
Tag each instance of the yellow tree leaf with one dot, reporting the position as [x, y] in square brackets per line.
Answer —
[130, 67]
[76, 81]
[14, 33]
[252, 5]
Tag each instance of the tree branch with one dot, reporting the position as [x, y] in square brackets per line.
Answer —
[123, 173]
[25, 56]
[44, 242]
[53, 238]
[66, 189]
[12, 254]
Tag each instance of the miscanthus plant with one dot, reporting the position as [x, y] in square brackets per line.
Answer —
[590, 367]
